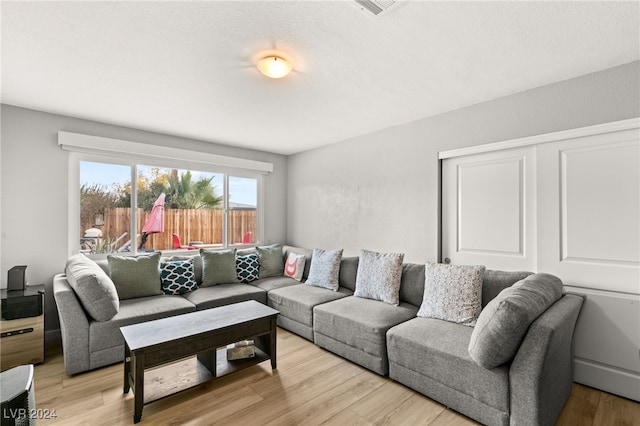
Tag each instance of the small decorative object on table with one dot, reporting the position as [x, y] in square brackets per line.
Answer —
[241, 350]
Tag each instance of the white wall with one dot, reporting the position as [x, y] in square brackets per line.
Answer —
[380, 191]
[34, 179]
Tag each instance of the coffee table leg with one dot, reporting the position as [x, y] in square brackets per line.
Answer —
[272, 343]
[127, 367]
[138, 388]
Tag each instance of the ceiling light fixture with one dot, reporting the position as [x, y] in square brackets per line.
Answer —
[274, 66]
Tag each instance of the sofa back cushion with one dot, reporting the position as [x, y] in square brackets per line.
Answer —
[412, 283]
[503, 323]
[493, 282]
[135, 276]
[349, 272]
[93, 286]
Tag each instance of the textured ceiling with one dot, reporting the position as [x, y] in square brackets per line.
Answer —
[187, 68]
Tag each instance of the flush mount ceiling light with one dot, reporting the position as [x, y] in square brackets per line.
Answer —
[274, 66]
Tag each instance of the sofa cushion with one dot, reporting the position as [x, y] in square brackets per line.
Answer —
[94, 288]
[412, 283]
[325, 269]
[348, 272]
[104, 335]
[504, 322]
[178, 276]
[271, 261]
[135, 276]
[272, 283]
[493, 282]
[247, 267]
[360, 323]
[197, 264]
[225, 294]
[218, 267]
[452, 293]
[294, 266]
[378, 276]
[438, 349]
[296, 302]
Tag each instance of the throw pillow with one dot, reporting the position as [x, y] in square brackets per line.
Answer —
[325, 269]
[271, 261]
[178, 276]
[378, 276]
[94, 288]
[218, 267]
[247, 267]
[135, 276]
[452, 293]
[197, 264]
[503, 323]
[294, 266]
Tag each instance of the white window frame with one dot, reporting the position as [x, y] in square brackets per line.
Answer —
[119, 152]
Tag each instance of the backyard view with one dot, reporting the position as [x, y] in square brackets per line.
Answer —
[181, 209]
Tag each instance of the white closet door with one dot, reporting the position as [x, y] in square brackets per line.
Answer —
[489, 208]
[589, 211]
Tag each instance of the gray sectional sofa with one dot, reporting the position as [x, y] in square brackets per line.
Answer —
[432, 356]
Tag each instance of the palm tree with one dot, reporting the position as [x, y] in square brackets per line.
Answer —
[187, 194]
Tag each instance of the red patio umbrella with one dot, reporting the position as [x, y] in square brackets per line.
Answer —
[155, 221]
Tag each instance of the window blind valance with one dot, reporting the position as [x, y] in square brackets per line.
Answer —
[76, 142]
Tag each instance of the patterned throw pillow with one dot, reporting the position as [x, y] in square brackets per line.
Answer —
[379, 276]
[294, 266]
[325, 269]
[247, 267]
[178, 277]
[452, 293]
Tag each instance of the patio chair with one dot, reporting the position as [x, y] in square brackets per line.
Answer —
[178, 245]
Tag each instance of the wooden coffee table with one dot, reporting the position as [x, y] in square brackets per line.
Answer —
[201, 333]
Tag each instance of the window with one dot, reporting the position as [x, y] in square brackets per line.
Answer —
[199, 208]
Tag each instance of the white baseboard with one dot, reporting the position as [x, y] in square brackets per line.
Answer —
[607, 378]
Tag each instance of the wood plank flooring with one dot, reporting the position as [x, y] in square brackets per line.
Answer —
[310, 387]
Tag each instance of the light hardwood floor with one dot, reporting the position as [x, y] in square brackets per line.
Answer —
[310, 387]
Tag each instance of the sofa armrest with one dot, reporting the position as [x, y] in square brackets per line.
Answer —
[74, 326]
[541, 375]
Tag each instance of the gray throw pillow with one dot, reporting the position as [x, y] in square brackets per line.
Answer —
[379, 276]
[218, 267]
[505, 320]
[271, 260]
[135, 276]
[94, 288]
[452, 293]
[325, 269]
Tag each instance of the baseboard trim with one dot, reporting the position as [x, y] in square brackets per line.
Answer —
[607, 378]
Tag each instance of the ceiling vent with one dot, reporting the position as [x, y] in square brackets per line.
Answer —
[376, 7]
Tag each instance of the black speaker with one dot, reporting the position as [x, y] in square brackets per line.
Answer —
[16, 278]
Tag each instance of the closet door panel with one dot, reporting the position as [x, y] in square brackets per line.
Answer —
[589, 211]
[489, 209]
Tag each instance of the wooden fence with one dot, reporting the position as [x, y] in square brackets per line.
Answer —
[201, 225]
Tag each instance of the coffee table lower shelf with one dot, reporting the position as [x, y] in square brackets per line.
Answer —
[170, 379]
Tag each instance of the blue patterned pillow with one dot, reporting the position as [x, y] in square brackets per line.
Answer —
[247, 267]
[178, 277]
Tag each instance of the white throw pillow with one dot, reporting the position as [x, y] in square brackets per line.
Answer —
[379, 276]
[452, 293]
[325, 269]
[294, 266]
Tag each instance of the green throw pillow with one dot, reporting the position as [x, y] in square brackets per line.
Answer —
[271, 261]
[135, 276]
[218, 267]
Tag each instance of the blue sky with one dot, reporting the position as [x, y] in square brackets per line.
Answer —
[242, 190]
